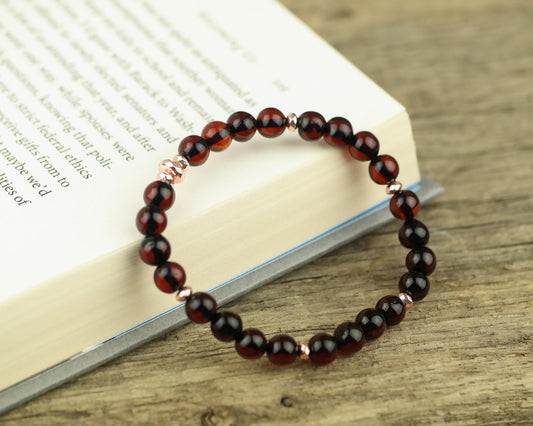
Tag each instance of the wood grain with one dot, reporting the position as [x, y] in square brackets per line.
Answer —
[463, 69]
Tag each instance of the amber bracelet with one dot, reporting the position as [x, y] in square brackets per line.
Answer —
[251, 343]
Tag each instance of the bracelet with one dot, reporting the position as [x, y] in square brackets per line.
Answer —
[251, 343]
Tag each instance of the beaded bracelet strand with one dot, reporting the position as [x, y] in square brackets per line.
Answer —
[349, 337]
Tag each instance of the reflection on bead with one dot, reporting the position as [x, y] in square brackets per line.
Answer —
[383, 169]
[303, 351]
[364, 146]
[154, 249]
[169, 277]
[292, 122]
[421, 260]
[373, 322]
[242, 126]
[226, 326]
[393, 309]
[404, 205]
[415, 284]
[407, 300]
[413, 234]
[323, 349]
[338, 131]
[184, 294]
[151, 220]
[282, 349]
[159, 194]
[251, 344]
[311, 125]
[271, 122]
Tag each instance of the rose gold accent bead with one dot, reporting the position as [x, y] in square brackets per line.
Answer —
[292, 122]
[303, 351]
[165, 177]
[184, 294]
[173, 169]
[181, 161]
[407, 300]
[393, 186]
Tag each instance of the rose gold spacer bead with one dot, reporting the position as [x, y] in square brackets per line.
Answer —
[184, 294]
[303, 351]
[165, 177]
[182, 162]
[173, 169]
[407, 300]
[393, 187]
[292, 122]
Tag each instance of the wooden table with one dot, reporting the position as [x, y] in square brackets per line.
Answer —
[464, 70]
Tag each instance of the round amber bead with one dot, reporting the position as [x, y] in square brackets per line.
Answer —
[383, 169]
[338, 131]
[350, 337]
[217, 136]
[271, 122]
[154, 249]
[373, 323]
[322, 349]
[364, 146]
[242, 126]
[415, 284]
[413, 234]
[421, 260]
[311, 125]
[159, 194]
[169, 277]
[282, 349]
[194, 149]
[226, 326]
[201, 307]
[404, 205]
[251, 344]
[393, 309]
[151, 220]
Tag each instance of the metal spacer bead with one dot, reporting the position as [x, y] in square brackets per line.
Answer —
[181, 161]
[165, 177]
[292, 122]
[393, 187]
[184, 294]
[173, 169]
[303, 351]
[407, 300]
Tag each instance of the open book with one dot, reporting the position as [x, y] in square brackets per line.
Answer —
[94, 94]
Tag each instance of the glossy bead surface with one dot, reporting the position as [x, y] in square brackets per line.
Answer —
[169, 277]
[413, 234]
[322, 349]
[383, 169]
[194, 149]
[338, 131]
[151, 220]
[226, 326]
[393, 309]
[373, 323]
[201, 307]
[242, 126]
[421, 260]
[159, 194]
[271, 122]
[154, 249]
[282, 349]
[311, 125]
[251, 344]
[350, 337]
[364, 146]
[415, 284]
[217, 136]
[404, 205]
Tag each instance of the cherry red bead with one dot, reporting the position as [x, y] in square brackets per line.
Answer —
[169, 277]
[159, 194]
[404, 205]
[226, 326]
[338, 131]
[242, 126]
[151, 220]
[154, 249]
[194, 149]
[415, 284]
[421, 260]
[217, 136]
[311, 125]
[323, 349]
[383, 169]
[413, 234]
[393, 309]
[364, 146]
[271, 122]
[282, 349]
[350, 337]
[201, 307]
[373, 322]
[251, 344]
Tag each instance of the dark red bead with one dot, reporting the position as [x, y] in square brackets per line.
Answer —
[421, 260]
[154, 249]
[413, 234]
[169, 277]
[242, 126]
[226, 326]
[393, 309]
[383, 169]
[251, 344]
[194, 149]
[201, 307]
[338, 131]
[217, 136]
[282, 349]
[271, 122]
[364, 146]
[159, 194]
[373, 323]
[414, 283]
[323, 349]
[151, 220]
[350, 337]
[311, 125]
[404, 205]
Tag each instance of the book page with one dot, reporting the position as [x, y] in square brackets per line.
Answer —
[94, 94]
